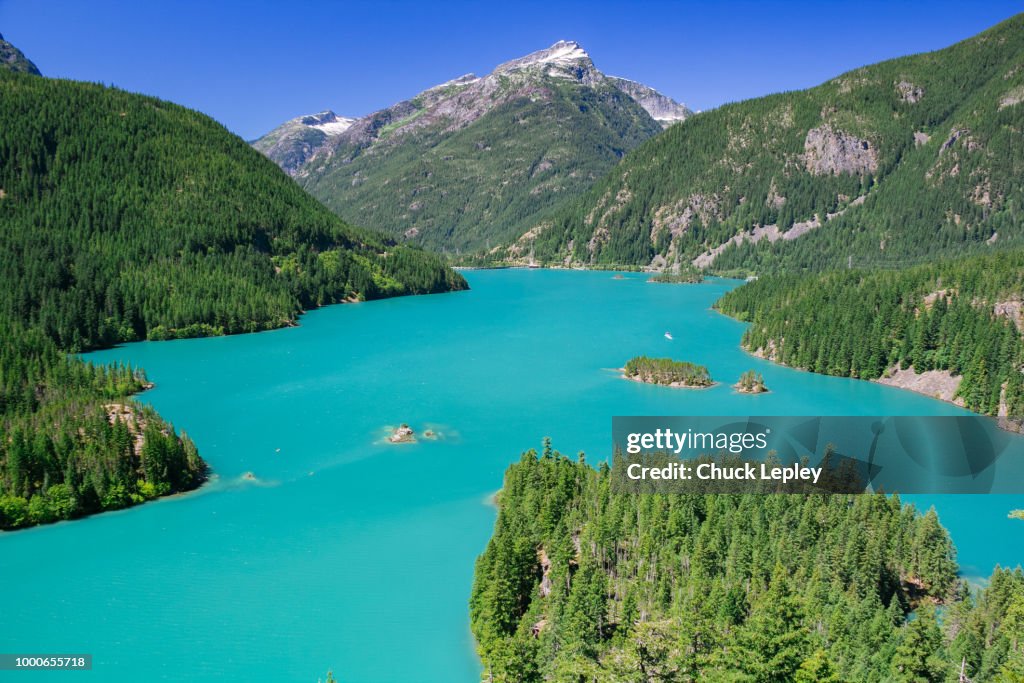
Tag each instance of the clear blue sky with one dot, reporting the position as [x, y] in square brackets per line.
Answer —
[254, 64]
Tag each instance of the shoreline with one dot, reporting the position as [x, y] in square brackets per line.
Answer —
[598, 268]
[285, 325]
[207, 485]
[878, 381]
[760, 356]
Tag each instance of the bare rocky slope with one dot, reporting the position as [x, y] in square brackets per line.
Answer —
[12, 59]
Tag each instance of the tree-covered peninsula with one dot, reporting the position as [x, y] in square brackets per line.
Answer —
[581, 583]
[961, 318]
[675, 373]
[125, 217]
[71, 441]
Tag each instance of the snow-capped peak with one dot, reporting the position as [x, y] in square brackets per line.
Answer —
[562, 53]
[328, 122]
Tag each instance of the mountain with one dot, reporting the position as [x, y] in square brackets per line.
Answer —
[292, 143]
[892, 163]
[126, 217]
[12, 59]
[476, 160]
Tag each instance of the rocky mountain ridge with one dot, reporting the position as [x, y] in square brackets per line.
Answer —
[542, 127]
[13, 59]
[295, 140]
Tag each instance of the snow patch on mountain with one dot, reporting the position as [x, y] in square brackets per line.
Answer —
[564, 53]
[336, 127]
[326, 121]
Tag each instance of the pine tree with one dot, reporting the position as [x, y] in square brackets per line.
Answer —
[918, 656]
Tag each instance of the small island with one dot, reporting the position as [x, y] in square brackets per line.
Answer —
[403, 433]
[667, 372]
[684, 276]
[751, 382]
[1016, 514]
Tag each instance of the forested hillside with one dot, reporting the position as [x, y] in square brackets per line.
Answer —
[582, 584]
[123, 217]
[891, 163]
[963, 317]
[126, 217]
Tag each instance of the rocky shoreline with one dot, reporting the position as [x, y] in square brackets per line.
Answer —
[749, 392]
[940, 384]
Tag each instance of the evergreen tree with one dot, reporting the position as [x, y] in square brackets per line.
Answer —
[918, 657]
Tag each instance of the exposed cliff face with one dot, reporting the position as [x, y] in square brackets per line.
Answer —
[477, 159]
[828, 151]
[909, 92]
[12, 59]
[1013, 310]
[662, 109]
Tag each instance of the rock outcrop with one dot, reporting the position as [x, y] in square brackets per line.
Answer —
[12, 59]
[771, 233]
[1015, 96]
[909, 93]
[940, 384]
[403, 433]
[832, 152]
[1010, 309]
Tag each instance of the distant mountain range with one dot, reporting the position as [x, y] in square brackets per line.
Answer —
[12, 59]
[477, 160]
[889, 164]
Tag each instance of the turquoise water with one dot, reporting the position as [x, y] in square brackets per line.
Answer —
[356, 555]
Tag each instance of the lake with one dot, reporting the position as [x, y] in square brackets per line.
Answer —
[352, 554]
